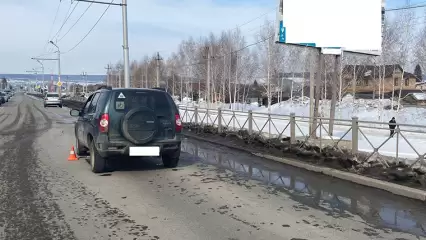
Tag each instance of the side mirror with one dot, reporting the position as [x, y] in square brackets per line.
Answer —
[75, 113]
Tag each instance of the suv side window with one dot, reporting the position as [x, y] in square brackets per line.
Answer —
[102, 100]
[92, 105]
[86, 106]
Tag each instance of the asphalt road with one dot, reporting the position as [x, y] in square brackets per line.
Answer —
[215, 193]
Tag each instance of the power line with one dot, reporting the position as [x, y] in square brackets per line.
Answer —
[66, 19]
[229, 53]
[250, 21]
[76, 21]
[254, 19]
[96, 23]
[53, 24]
[404, 8]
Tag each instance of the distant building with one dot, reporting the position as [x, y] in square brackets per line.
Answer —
[368, 77]
[414, 99]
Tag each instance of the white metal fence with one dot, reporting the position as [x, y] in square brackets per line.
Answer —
[408, 144]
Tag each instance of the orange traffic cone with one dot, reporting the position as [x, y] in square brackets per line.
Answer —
[72, 156]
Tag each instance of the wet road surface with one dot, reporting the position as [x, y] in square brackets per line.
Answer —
[215, 193]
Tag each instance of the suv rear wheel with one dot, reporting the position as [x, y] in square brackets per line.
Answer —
[97, 162]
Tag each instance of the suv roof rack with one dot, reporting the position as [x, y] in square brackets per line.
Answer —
[104, 87]
[158, 88]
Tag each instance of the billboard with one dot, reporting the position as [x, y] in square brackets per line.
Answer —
[350, 25]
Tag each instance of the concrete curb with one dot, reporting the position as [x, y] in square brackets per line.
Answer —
[347, 176]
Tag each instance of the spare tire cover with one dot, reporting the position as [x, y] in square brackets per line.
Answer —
[140, 125]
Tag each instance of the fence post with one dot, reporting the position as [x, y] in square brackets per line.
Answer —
[292, 128]
[397, 144]
[250, 122]
[269, 125]
[354, 135]
[219, 120]
[196, 115]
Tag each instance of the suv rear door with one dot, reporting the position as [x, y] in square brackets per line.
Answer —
[79, 126]
[90, 117]
[141, 116]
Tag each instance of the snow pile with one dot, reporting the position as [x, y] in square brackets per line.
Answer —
[364, 109]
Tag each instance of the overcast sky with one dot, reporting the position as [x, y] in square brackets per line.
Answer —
[154, 25]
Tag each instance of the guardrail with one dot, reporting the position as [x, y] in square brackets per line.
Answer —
[373, 138]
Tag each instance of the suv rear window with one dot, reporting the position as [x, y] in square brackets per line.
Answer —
[126, 100]
[52, 95]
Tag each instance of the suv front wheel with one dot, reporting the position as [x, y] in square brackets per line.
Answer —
[97, 162]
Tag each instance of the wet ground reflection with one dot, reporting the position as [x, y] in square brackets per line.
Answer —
[335, 197]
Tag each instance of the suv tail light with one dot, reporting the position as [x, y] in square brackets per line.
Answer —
[178, 123]
[103, 123]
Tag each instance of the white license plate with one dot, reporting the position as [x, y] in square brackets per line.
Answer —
[144, 151]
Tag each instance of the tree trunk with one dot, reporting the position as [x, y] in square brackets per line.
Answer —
[400, 91]
[317, 93]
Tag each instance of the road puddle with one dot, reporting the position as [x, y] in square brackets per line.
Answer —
[335, 197]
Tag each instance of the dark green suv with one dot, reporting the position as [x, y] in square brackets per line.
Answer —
[128, 122]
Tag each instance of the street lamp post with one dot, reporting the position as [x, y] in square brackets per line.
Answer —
[32, 71]
[42, 70]
[45, 59]
[126, 47]
[59, 68]
[126, 69]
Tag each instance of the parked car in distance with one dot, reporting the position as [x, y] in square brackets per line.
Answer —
[9, 92]
[52, 99]
[128, 122]
[5, 96]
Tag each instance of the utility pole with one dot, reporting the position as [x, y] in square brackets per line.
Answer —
[208, 77]
[318, 92]
[158, 59]
[311, 91]
[47, 59]
[146, 75]
[84, 74]
[59, 83]
[82, 79]
[68, 85]
[269, 80]
[35, 72]
[85, 80]
[42, 69]
[181, 88]
[126, 47]
[108, 68]
[142, 75]
[173, 82]
[119, 76]
[336, 75]
[123, 5]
